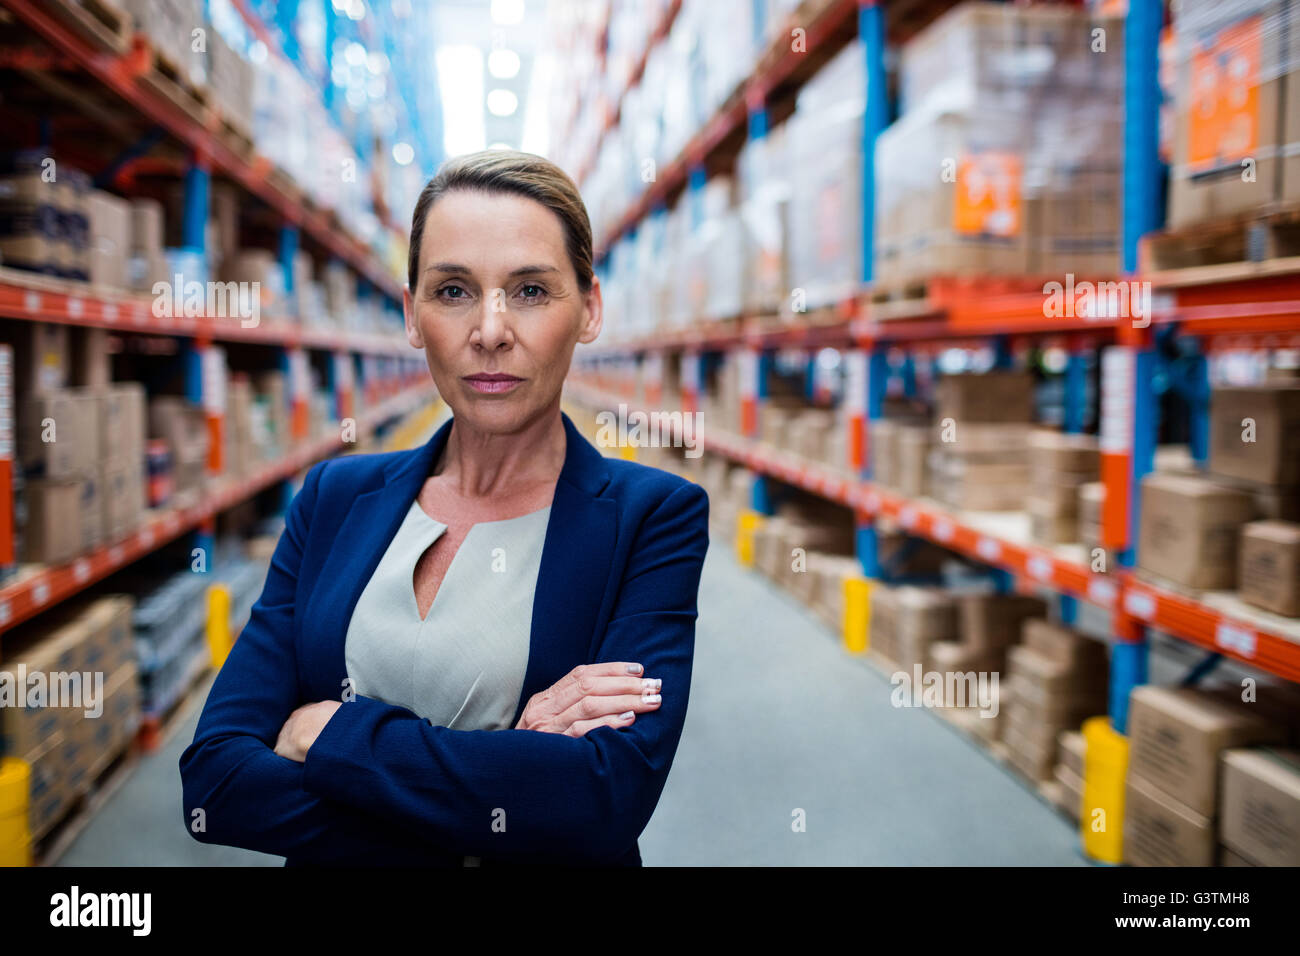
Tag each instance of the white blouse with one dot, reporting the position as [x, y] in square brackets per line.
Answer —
[463, 665]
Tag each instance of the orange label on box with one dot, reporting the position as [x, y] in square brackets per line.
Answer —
[1223, 115]
[988, 195]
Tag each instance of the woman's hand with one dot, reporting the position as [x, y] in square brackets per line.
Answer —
[591, 696]
[303, 727]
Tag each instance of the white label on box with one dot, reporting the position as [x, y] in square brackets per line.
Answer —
[988, 549]
[1140, 604]
[1235, 637]
[942, 529]
[1040, 567]
[1101, 591]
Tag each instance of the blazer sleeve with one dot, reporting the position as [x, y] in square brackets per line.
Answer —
[524, 795]
[248, 795]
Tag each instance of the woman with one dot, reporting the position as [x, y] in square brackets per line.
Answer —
[478, 650]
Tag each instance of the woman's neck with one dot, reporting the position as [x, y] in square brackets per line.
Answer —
[480, 464]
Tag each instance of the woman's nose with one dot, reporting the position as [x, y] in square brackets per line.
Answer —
[494, 321]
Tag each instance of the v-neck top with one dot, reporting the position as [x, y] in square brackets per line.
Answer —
[463, 665]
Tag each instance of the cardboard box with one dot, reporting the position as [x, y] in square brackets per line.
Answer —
[1071, 747]
[995, 396]
[52, 533]
[41, 358]
[1189, 530]
[993, 621]
[1260, 817]
[1270, 566]
[1177, 734]
[1228, 858]
[1215, 126]
[1273, 457]
[147, 227]
[1161, 831]
[110, 239]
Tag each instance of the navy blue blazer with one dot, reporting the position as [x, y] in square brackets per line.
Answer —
[618, 581]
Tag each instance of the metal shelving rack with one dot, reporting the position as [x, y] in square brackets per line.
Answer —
[398, 386]
[1256, 304]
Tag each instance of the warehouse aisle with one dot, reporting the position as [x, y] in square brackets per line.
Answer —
[780, 718]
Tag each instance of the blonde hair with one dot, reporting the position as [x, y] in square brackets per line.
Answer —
[520, 174]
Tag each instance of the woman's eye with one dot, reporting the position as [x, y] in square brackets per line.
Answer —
[531, 291]
[452, 292]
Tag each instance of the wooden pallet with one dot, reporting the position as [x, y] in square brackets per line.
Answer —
[164, 76]
[1265, 241]
[104, 779]
[918, 297]
[99, 22]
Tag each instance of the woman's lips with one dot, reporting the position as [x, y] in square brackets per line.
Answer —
[492, 384]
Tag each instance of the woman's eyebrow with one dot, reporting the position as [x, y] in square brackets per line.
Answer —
[448, 267]
[531, 270]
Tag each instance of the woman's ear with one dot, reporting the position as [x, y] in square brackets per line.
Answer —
[593, 317]
[412, 327]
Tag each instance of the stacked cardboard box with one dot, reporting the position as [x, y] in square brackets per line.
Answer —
[1029, 155]
[184, 428]
[907, 621]
[983, 469]
[991, 623]
[1058, 466]
[1176, 738]
[1092, 496]
[1234, 124]
[1069, 772]
[1057, 679]
[44, 216]
[121, 456]
[231, 77]
[1270, 566]
[147, 265]
[171, 26]
[1189, 530]
[1260, 817]
[1255, 445]
[110, 239]
[85, 653]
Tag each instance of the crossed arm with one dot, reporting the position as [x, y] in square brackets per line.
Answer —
[379, 782]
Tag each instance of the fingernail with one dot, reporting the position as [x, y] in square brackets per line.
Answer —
[634, 668]
[628, 716]
[651, 698]
[652, 683]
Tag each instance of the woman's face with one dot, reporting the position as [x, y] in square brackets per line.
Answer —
[497, 308]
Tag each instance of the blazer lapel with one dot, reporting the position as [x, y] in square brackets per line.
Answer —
[368, 528]
[572, 582]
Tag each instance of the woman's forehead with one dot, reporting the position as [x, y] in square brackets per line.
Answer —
[491, 230]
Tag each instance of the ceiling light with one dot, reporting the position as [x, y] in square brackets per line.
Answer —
[502, 103]
[507, 12]
[503, 64]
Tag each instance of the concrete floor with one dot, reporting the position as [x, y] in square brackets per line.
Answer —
[781, 719]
